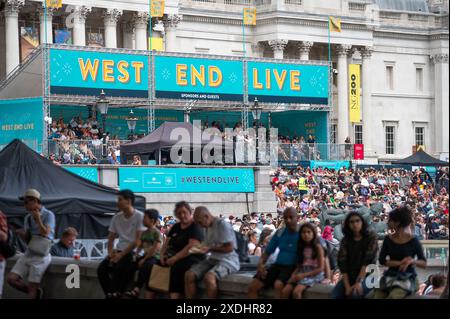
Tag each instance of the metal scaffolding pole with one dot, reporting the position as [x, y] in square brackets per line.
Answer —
[244, 115]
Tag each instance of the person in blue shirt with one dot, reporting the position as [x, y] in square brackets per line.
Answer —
[65, 246]
[40, 228]
[278, 274]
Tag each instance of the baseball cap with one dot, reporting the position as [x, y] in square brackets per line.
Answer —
[31, 192]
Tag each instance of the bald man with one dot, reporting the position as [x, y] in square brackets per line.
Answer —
[220, 242]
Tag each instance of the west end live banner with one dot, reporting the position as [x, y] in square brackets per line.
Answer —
[80, 72]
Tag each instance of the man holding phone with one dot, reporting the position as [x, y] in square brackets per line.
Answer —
[38, 232]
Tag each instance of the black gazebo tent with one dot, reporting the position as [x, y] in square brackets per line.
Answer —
[76, 201]
[420, 158]
[162, 139]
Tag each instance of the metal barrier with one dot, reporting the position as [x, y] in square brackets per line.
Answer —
[314, 152]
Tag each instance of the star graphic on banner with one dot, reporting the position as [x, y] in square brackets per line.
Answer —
[166, 74]
[317, 81]
[232, 78]
[67, 69]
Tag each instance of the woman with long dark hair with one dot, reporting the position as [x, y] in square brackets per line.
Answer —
[311, 263]
[401, 252]
[358, 249]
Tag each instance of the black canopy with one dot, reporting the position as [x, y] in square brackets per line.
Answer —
[160, 139]
[420, 158]
[76, 201]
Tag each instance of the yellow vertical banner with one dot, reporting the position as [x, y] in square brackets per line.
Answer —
[157, 44]
[53, 3]
[354, 76]
[249, 16]
[335, 24]
[157, 8]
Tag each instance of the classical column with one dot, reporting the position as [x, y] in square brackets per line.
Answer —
[441, 102]
[343, 120]
[128, 35]
[304, 48]
[368, 130]
[140, 27]
[278, 47]
[12, 9]
[170, 24]
[110, 18]
[46, 20]
[258, 50]
[79, 25]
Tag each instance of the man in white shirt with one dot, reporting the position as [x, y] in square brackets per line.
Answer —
[116, 271]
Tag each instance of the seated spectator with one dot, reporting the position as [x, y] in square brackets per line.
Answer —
[311, 263]
[150, 244]
[64, 247]
[175, 252]
[438, 282]
[263, 242]
[252, 242]
[136, 160]
[278, 274]
[116, 271]
[220, 242]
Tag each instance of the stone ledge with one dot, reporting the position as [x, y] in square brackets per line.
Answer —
[233, 286]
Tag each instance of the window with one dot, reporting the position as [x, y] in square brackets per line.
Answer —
[390, 139]
[419, 79]
[333, 133]
[420, 136]
[358, 134]
[390, 77]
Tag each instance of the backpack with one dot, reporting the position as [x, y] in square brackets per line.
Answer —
[8, 248]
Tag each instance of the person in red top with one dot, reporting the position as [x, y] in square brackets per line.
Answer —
[3, 238]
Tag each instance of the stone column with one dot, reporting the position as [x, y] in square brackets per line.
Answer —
[441, 102]
[46, 20]
[12, 9]
[368, 130]
[278, 47]
[79, 25]
[128, 35]
[110, 18]
[304, 48]
[258, 50]
[264, 200]
[170, 24]
[343, 119]
[140, 27]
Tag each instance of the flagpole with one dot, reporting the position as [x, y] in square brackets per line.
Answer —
[243, 31]
[329, 43]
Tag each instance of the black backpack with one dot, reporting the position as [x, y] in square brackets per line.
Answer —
[8, 248]
[242, 247]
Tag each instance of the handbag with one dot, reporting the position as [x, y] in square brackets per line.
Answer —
[159, 278]
[40, 246]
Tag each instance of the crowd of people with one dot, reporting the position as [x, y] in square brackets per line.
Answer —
[294, 252]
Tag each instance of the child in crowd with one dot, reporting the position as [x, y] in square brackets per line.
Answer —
[150, 243]
[311, 263]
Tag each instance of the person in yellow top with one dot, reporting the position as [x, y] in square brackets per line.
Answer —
[302, 185]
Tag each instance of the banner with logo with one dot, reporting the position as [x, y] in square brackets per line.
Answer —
[336, 165]
[358, 151]
[157, 8]
[249, 16]
[89, 173]
[288, 83]
[22, 119]
[187, 180]
[354, 77]
[87, 73]
[198, 79]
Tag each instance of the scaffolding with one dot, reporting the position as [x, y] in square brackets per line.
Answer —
[151, 102]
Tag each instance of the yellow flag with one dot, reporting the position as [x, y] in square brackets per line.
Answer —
[157, 8]
[53, 3]
[335, 24]
[354, 77]
[249, 16]
[157, 44]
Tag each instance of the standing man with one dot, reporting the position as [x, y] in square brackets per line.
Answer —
[220, 241]
[39, 232]
[3, 239]
[116, 271]
[302, 185]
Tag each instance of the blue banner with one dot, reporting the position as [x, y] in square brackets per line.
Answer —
[77, 72]
[198, 79]
[89, 173]
[288, 83]
[336, 165]
[22, 119]
[186, 180]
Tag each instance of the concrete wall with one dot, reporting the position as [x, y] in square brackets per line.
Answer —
[263, 200]
[54, 284]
